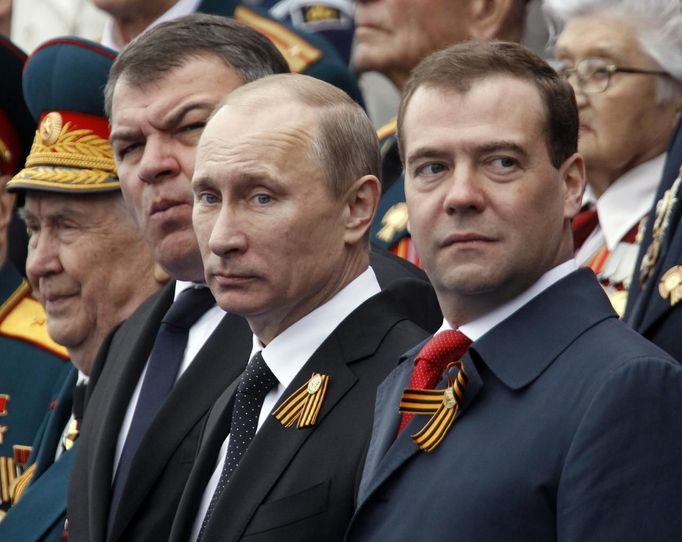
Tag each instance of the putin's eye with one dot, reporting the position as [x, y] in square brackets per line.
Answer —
[262, 199]
[206, 198]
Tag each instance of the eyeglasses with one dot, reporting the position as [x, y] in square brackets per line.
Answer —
[594, 74]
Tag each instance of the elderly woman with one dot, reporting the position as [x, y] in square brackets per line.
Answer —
[624, 61]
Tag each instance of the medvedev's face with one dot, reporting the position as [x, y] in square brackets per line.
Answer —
[486, 206]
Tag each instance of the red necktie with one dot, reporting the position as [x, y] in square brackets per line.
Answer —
[443, 348]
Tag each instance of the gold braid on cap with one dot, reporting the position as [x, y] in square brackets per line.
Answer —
[73, 148]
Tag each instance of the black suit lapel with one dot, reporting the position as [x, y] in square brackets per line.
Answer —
[110, 399]
[219, 362]
[213, 435]
[274, 446]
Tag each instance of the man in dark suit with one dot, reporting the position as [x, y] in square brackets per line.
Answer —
[654, 295]
[283, 225]
[87, 262]
[559, 423]
[161, 91]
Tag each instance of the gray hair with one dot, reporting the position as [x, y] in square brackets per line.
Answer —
[152, 54]
[657, 25]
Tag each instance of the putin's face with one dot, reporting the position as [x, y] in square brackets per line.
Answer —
[271, 230]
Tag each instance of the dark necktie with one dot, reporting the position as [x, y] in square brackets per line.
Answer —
[162, 371]
[257, 380]
[442, 349]
[77, 407]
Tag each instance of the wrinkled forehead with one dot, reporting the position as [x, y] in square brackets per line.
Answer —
[45, 205]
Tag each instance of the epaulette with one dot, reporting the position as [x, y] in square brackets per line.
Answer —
[387, 130]
[298, 52]
[22, 317]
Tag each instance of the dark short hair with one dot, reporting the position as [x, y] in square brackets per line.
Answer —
[169, 45]
[458, 67]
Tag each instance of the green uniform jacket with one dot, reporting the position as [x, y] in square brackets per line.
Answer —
[30, 363]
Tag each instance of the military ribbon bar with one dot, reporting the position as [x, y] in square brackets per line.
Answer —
[443, 405]
[303, 406]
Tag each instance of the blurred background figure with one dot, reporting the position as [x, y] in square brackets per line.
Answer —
[624, 61]
[87, 262]
[392, 37]
[332, 19]
[36, 21]
[306, 53]
[29, 360]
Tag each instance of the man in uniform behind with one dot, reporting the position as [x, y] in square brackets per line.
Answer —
[30, 361]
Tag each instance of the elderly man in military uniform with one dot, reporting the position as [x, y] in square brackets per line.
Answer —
[87, 261]
[30, 360]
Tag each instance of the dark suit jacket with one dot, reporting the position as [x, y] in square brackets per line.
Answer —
[162, 464]
[409, 286]
[298, 485]
[41, 512]
[648, 312]
[570, 430]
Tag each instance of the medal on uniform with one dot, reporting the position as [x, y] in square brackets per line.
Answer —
[670, 285]
[303, 406]
[393, 222]
[662, 219]
[443, 405]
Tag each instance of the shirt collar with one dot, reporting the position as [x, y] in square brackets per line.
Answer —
[182, 285]
[480, 326]
[287, 353]
[180, 8]
[628, 199]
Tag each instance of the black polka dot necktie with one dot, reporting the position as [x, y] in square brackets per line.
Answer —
[257, 380]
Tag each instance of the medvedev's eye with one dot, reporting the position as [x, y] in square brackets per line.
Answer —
[430, 169]
[504, 162]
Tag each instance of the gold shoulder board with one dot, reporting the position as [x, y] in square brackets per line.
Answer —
[296, 50]
[387, 129]
[22, 317]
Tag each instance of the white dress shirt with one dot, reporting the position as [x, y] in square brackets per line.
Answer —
[286, 355]
[621, 207]
[198, 335]
[481, 325]
[179, 9]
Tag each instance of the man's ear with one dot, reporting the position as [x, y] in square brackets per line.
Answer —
[362, 200]
[572, 174]
[489, 19]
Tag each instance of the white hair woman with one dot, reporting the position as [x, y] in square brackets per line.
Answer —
[624, 61]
